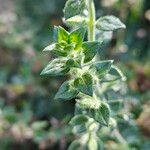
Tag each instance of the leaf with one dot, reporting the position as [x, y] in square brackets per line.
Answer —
[66, 91]
[102, 115]
[78, 120]
[74, 7]
[55, 67]
[90, 49]
[75, 145]
[114, 74]
[104, 36]
[63, 35]
[80, 129]
[60, 49]
[102, 67]
[109, 23]
[74, 63]
[55, 34]
[78, 109]
[77, 20]
[77, 37]
[84, 84]
[50, 47]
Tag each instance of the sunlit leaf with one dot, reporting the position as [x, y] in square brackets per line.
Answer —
[55, 67]
[63, 35]
[109, 23]
[74, 7]
[77, 37]
[77, 20]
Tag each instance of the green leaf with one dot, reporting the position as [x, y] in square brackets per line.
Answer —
[66, 91]
[90, 49]
[114, 74]
[101, 68]
[78, 120]
[74, 7]
[80, 129]
[104, 36]
[55, 67]
[63, 35]
[109, 23]
[60, 49]
[77, 37]
[50, 47]
[77, 20]
[75, 145]
[74, 63]
[117, 73]
[102, 115]
[84, 84]
[55, 34]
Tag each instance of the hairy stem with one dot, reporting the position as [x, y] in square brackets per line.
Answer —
[91, 22]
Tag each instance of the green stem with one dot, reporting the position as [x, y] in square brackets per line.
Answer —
[91, 22]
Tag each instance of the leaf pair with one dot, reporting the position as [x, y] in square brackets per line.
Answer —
[99, 111]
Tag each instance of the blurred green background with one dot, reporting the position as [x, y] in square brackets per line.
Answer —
[29, 117]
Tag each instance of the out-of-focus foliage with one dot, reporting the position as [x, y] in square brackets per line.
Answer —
[29, 117]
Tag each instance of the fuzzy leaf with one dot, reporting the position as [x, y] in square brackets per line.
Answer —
[75, 145]
[109, 23]
[104, 36]
[74, 7]
[77, 20]
[84, 84]
[77, 37]
[55, 67]
[102, 115]
[55, 34]
[90, 49]
[50, 47]
[114, 74]
[63, 35]
[78, 120]
[66, 91]
[102, 67]
[74, 63]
